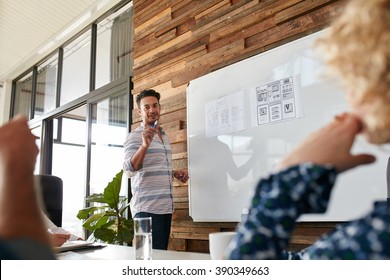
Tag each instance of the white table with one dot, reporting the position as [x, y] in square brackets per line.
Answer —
[117, 252]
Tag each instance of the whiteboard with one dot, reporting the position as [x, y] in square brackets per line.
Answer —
[228, 152]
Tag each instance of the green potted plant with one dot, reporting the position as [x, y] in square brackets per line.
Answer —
[106, 220]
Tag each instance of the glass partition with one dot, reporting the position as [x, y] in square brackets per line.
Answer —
[109, 131]
[76, 67]
[46, 86]
[36, 131]
[69, 163]
[114, 46]
[23, 96]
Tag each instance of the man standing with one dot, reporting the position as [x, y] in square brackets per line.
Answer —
[148, 162]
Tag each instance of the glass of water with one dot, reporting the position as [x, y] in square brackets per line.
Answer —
[143, 238]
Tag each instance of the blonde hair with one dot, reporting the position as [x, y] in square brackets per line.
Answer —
[357, 49]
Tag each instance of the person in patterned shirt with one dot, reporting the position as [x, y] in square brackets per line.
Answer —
[357, 50]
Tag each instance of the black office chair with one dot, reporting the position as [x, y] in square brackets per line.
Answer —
[52, 196]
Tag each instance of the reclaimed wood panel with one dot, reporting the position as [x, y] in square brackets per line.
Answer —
[210, 24]
[203, 64]
[298, 25]
[212, 9]
[179, 156]
[299, 9]
[244, 20]
[163, 62]
[173, 42]
[144, 10]
[180, 191]
[149, 43]
[190, 11]
[168, 90]
[179, 163]
[151, 26]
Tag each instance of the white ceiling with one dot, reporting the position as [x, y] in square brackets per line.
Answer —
[30, 29]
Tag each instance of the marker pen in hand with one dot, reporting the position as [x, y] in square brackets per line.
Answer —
[155, 124]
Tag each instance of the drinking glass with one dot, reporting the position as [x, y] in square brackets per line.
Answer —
[143, 238]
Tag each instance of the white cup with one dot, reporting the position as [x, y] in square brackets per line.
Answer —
[218, 244]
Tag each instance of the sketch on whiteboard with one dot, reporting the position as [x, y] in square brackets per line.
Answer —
[274, 101]
[225, 115]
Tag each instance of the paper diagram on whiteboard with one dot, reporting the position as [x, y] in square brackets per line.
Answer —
[275, 101]
[225, 115]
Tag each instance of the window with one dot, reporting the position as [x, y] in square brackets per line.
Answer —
[46, 86]
[36, 131]
[23, 96]
[76, 67]
[109, 130]
[81, 137]
[114, 46]
[69, 164]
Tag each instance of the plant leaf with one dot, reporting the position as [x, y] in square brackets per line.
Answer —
[106, 221]
[96, 197]
[124, 235]
[129, 223]
[111, 192]
[92, 223]
[84, 213]
[105, 234]
[110, 213]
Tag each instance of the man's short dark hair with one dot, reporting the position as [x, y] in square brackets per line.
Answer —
[146, 93]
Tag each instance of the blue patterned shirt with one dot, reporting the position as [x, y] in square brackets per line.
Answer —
[281, 198]
[151, 185]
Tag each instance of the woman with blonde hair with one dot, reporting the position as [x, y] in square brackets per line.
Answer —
[357, 49]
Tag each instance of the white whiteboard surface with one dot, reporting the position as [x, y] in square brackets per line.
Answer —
[224, 169]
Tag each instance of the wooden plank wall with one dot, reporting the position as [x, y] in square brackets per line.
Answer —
[176, 41]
